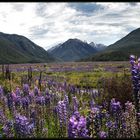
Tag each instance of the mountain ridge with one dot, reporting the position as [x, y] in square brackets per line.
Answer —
[72, 50]
[19, 49]
[121, 49]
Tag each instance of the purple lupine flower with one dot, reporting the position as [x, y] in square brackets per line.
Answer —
[1, 91]
[95, 110]
[66, 101]
[25, 102]
[105, 104]
[7, 129]
[135, 70]
[1, 116]
[72, 131]
[116, 111]
[97, 119]
[109, 124]
[77, 126]
[81, 127]
[76, 114]
[94, 121]
[115, 106]
[102, 134]
[23, 128]
[135, 75]
[31, 128]
[33, 116]
[26, 89]
[40, 100]
[36, 91]
[59, 107]
[10, 101]
[18, 92]
[62, 112]
[123, 125]
[75, 103]
[18, 101]
[31, 96]
[47, 93]
[92, 104]
[14, 96]
[115, 124]
[64, 108]
[47, 98]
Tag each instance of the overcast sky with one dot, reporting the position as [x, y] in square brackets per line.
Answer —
[47, 24]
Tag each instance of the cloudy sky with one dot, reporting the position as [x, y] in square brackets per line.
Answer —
[47, 24]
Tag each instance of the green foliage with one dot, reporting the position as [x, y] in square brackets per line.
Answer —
[118, 86]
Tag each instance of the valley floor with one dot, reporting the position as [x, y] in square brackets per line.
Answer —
[87, 97]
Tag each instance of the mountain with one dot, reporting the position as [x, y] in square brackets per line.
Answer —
[120, 50]
[19, 49]
[98, 47]
[54, 47]
[72, 50]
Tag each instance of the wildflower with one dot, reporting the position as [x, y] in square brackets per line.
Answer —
[23, 127]
[10, 101]
[36, 91]
[115, 106]
[102, 134]
[18, 92]
[75, 104]
[77, 126]
[109, 124]
[31, 96]
[47, 98]
[62, 112]
[66, 101]
[92, 104]
[1, 91]
[40, 100]
[25, 102]
[7, 129]
[26, 89]
[18, 101]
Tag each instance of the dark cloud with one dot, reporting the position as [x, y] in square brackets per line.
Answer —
[107, 24]
[38, 31]
[113, 15]
[133, 3]
[86, 8]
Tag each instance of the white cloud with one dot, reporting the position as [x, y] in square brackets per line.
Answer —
[49, 23]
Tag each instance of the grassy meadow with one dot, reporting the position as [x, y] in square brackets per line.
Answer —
[56, 100]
